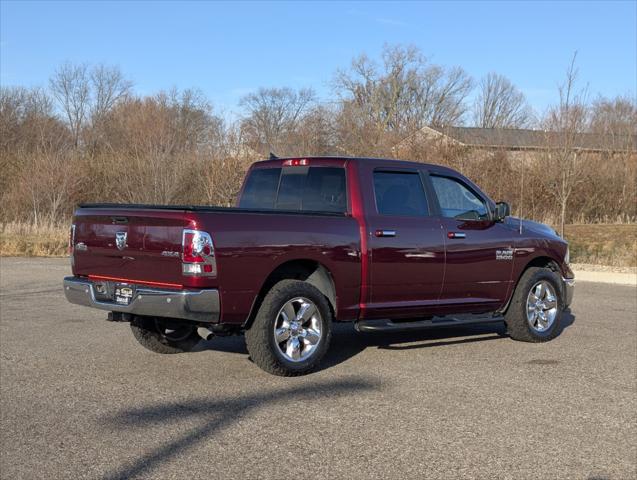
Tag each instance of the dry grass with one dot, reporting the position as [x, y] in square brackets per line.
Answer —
[601, 244]
[613, 245]
[27, 240]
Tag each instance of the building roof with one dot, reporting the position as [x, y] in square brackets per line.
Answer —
[522, 139]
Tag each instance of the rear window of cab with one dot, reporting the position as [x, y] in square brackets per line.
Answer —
[310, 189]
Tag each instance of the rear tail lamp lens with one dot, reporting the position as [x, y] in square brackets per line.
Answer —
[71, 239]
[72, 244]
[198, 254]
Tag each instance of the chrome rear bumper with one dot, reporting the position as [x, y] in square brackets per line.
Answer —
[569, 288]
[196, 305]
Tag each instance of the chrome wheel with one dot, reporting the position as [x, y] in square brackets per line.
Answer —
[541, 306]
[298, 329]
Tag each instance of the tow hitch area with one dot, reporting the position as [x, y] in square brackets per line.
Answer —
[119, 317]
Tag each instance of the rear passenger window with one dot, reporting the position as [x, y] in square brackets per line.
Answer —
[325, 190]
[317, 189]
[400, 193]
[261, 188]
[291, 188]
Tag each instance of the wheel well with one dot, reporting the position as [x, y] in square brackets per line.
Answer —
[541, 262]
[309, 271]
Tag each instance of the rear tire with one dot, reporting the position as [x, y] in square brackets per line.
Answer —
[163, 335]
[536, 308]
[292, 329]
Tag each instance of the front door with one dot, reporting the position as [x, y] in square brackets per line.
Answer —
[406, 246]
[479, 250]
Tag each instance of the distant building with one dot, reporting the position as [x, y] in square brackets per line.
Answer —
[516, 142]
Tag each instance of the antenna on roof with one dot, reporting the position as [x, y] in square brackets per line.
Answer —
[273, 156]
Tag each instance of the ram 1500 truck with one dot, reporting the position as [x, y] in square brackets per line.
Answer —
[390, 245]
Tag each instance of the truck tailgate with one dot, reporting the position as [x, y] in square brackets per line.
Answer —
[149, 246]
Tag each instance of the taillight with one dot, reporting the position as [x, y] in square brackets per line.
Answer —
[72, 244]
[71, 238]
[198, 254]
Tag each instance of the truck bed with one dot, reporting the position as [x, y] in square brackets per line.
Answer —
[249, 244]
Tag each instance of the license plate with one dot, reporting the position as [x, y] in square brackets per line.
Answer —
[124, 293]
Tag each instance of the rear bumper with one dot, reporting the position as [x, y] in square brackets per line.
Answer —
[197, 305]
[569, 289]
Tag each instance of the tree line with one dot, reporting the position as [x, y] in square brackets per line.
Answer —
[87, 136]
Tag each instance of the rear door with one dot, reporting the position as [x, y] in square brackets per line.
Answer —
[479, 251]
[406, 245]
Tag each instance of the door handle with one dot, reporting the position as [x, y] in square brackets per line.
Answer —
[455, 235]
[385, 233]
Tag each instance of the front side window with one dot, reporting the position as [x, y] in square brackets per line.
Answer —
[400, 193]
[457, 201]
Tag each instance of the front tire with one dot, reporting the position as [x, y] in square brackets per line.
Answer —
[164, 335]
[536, 308]
[292, 329]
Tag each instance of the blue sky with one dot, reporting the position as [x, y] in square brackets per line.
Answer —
[229, 49]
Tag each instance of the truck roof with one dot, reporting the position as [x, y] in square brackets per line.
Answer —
[326, 159]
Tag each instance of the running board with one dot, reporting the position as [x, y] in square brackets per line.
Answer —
[386, 325]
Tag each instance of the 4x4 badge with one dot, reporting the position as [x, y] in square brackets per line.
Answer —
[120, 240]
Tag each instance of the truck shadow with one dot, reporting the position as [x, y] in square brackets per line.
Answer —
[212, 416]
[347, 342]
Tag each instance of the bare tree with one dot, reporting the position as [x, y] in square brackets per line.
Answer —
[565, 124]
[223, 172]
[70, 86]
[405, 92]
[614, 116]
[449, 91]
[191, 117]
[315, 133]
[500, 104]
[28, 129]
[18, 107]
[615, 119]
[171, 147]
[272, 114]
[109, 86]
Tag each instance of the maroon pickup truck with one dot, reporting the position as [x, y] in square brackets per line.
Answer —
[389, 245]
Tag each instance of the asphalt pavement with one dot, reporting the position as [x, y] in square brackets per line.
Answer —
[79, 398]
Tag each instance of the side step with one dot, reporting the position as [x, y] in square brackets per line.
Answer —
[386, 325]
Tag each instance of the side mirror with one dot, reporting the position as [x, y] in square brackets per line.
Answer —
[502, 210]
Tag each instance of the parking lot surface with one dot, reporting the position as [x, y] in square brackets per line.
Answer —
[81, 399]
